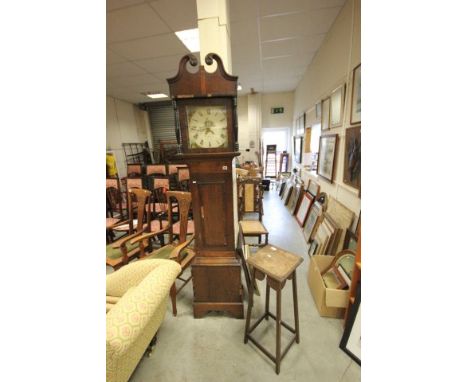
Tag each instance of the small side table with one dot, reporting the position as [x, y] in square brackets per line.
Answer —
[254, 228]
[278, 266]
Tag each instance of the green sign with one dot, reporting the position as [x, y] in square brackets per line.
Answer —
[277, 110]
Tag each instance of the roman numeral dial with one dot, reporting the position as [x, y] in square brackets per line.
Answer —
[207, 126]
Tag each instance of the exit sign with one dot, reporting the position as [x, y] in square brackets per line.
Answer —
[277, 110]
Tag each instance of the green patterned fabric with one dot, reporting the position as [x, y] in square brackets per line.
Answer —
[115, 253]
[161, 253]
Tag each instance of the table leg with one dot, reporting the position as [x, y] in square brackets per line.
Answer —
[296, 313]
[278, 330]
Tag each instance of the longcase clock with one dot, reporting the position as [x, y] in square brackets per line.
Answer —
[206, 127]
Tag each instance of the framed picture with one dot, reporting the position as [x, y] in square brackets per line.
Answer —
[293, 199]
[304, 207]
[351, 340]
[287, 192]
[313, 188]
[282, 188]
[312, 248]
[307, 139]
[352, 158]
[311, 221]
[318, 110]
[325, 118]
[337, 100]
[326, 159]
[300, 124]
[350, 240]
[298, 148]
[356, 96]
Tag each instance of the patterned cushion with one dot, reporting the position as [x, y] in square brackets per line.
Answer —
[134, 320]
[115, 253]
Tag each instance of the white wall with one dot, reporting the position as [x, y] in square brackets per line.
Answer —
[254, 113]
[125, 123]
[281, 99]
[332, 66]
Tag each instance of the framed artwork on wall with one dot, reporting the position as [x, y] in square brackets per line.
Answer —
[300, 124]
[326, 158]
[304, 207]
[337, 100]
[318, 110]
[352, 158]
[298, 149]
[307, 138]
[356, 96]
[325, 118]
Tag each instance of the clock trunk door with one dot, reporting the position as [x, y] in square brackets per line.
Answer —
[215, 216]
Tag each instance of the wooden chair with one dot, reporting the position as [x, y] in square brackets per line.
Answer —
[123, 250]
[175, 250]
[156, 169]
[134, 170]
[250, 196]
[114, 211]
[183, 178]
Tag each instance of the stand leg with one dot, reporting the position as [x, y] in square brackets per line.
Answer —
[267, 301]
[278, 330]
[249, 309]
[296, 314]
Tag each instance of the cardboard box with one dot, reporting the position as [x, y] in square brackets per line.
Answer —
[330, 302]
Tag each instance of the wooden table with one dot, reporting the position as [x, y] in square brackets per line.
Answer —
[278, 265]
[254, 228]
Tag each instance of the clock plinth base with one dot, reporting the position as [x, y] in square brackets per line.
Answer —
[200, 309]
[217, 286]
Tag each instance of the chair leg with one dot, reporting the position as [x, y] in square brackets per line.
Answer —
[173, 294]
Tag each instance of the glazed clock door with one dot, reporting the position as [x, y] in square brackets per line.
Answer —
[213, 194]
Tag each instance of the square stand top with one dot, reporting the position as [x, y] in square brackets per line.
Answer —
[275, 262]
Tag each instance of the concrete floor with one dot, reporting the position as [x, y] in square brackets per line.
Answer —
[212, 348]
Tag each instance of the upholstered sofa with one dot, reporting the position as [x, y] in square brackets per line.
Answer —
[136, 304]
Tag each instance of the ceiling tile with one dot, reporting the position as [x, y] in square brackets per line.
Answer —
[178, 14]
[297, 24]
[116, 4]
[304, 44]
[123, 69]
[134, 22]
[162, 64]
[150, 47]
[245, 31]
[112, 58]
[131, 81]
[273, 7]
[242, 9]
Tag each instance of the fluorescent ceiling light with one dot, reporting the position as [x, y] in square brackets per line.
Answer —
[190, 38]
[155, 95]
[239, 87]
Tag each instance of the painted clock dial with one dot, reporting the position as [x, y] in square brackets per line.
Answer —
[207, 126]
